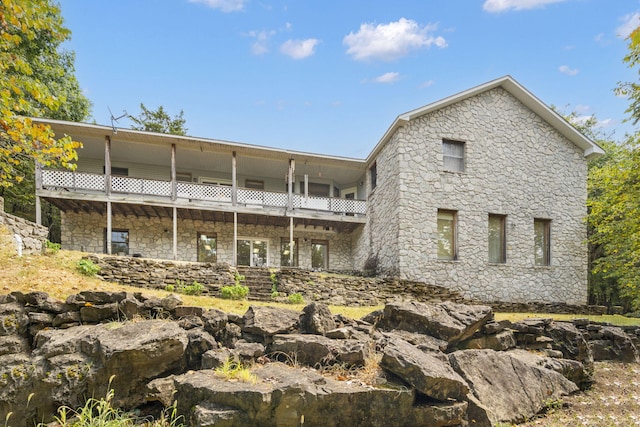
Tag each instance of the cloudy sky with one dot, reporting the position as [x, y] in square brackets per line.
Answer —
[330, 76]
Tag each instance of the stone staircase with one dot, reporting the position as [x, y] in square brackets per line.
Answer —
[258, 279]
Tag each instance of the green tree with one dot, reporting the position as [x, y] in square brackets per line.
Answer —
[632, 89]
[159, 121]
[36, 79]
[614, 207]
[614, 221]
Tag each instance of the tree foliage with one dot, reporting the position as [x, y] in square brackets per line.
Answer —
[159, 121]
[632, 89]
[614, 207]
[33, 78]
[614, 220]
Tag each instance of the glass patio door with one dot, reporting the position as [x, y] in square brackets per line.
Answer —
[252, 252]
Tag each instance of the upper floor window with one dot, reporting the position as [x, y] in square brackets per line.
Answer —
[447, 234]
[373, 173]
[497, 239]
[453, 155]
[542, 241]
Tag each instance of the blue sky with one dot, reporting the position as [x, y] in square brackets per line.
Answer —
[329, 76]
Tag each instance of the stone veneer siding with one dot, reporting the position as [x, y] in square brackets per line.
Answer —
[33, 235]
[516, 165]
[152, 238]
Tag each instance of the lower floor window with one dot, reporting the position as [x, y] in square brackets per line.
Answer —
[119, 242]
[447, 224]
[285, 253]
[320, 254]
[207, 248]
[542, 241]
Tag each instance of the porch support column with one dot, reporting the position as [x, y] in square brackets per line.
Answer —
[107, 187]
[173, 172]
[107, 164]
[175, 233]
[235, 238]
[292, 167]
[306, 186]
[38, 187]
[234, 188]
[108, 227]
[291, 248]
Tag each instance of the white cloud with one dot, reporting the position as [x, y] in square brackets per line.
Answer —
[391, 41]
[427, 84]
[497, 6]
[390, 77]
[629, 23]
[261, 45]
[565, 69]
[223, 5]
[299, 49]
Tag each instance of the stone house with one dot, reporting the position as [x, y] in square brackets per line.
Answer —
[483, 192]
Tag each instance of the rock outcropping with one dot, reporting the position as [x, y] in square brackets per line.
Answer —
[442, 364]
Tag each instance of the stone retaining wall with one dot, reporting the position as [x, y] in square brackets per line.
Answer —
[33, 235]
[328, 288]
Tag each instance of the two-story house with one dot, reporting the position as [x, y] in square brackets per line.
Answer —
[483, 192]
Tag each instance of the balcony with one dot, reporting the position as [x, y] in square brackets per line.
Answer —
[191, 193]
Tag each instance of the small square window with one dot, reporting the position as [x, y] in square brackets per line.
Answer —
[207, 247]
[453, 155]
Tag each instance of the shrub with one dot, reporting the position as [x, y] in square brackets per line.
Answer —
[234, 292]
[87, 267]
[51, 248]
[295, 298]
[194, 288]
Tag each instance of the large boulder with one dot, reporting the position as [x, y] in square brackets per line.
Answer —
[503, 388]
[133, 353]
[313, 350]
[316, 318]
[265, 322]
[446, 321]
[428, 372]
[286, 396]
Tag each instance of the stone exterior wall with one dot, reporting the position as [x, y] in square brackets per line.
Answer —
[516, 165]
[152, 238]
[33, 235]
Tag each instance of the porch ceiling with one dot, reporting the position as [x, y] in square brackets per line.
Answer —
[151, 211]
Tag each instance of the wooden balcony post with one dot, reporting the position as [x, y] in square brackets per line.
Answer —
[108, 227]
[291, 248]
[174, 191]
[175, 233]
[38, 187]
[234, 187]
[292, 166]
[235, 238]
[107, 166]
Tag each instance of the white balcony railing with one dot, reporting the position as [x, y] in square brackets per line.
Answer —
[82, 181]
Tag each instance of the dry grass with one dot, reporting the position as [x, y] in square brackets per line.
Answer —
[614, 400]
[57, 275]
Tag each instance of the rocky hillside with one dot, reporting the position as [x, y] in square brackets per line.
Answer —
[441, 364]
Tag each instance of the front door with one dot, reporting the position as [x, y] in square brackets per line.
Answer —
[252, 252]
